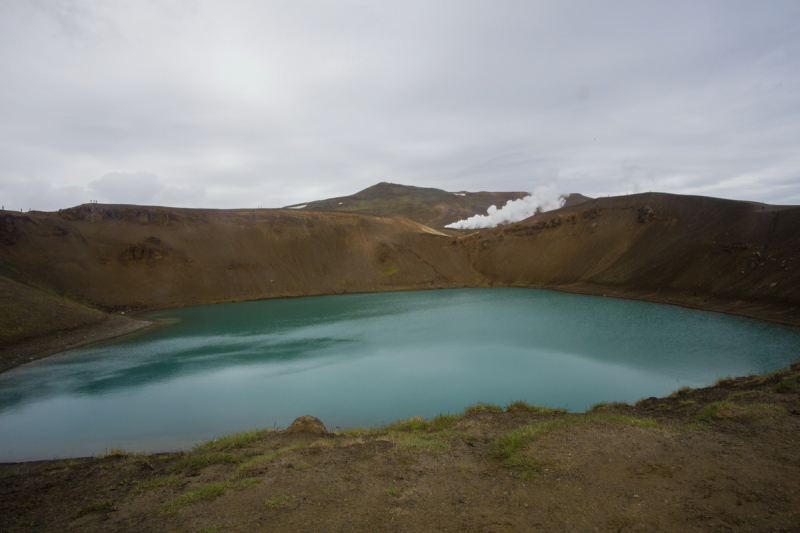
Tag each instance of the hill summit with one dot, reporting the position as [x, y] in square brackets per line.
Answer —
[425, 205]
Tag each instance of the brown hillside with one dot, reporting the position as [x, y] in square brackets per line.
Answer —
[130, 257]
[36, 323]
[27, 312]
[574, 199]
[703, 252]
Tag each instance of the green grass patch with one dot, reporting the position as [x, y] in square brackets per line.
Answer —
[453, 434]
[114, 452]
[414, 442]
[726, 409]
[742, 394]
[528, 467]
[521, 405]
[394, 492]
[260, 460]
[781, 373]
[139, 458]
[443, 422]
[710, 412]
[509, 446]
[208, 492]
[279, 501]
[161, 481]
[231, 442]
[679, 392]
[195, 463]
[322, 444]
[360, 433]
[389, 271]
[96, 507]
[413, 433]
[482, 407]
[415, 424]
[609, 405]
[11, 473]
[787, 385]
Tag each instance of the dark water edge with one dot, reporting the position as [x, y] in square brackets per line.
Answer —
[366, 360]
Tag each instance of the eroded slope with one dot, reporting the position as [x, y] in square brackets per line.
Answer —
[130, 257]
[432, 207]
[704, 252]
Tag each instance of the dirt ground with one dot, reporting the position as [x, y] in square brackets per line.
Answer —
[723, 458]
[109, 327]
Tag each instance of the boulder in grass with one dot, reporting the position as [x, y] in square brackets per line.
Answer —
[307, 424]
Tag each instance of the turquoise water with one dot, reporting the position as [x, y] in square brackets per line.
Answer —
[366, 360]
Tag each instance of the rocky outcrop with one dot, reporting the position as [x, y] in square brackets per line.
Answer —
[149, 250]
[8, 230]
[646, 214]
[307, 424]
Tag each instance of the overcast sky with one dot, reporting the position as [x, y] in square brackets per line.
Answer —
[205, 103]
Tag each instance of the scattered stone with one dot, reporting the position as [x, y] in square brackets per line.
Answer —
[554, 222]
[646, 214]
[307, 424]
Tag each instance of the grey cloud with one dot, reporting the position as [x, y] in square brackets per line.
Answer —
[25, 194]
[270, 103]
[142, 188]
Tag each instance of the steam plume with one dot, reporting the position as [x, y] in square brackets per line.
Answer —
[543, 198]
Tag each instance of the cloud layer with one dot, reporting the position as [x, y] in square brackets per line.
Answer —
[245, 103]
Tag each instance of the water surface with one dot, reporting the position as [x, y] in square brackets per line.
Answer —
[365, 360]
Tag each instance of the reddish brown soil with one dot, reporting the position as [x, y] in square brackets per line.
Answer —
[135, 258]
[737, 472]
[110, 327]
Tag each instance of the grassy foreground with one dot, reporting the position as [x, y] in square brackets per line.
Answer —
[719, 458]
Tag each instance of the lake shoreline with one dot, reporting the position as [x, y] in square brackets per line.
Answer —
[116, 326]
[771, 312]
[112, 327]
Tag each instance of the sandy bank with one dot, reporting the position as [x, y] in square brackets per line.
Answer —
[36, 348]
[774, 312]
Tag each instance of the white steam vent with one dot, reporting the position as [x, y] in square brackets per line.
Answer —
[543, 198]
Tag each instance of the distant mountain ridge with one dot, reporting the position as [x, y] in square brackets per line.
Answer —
[425, 205]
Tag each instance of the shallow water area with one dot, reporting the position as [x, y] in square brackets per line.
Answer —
[366, 360]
